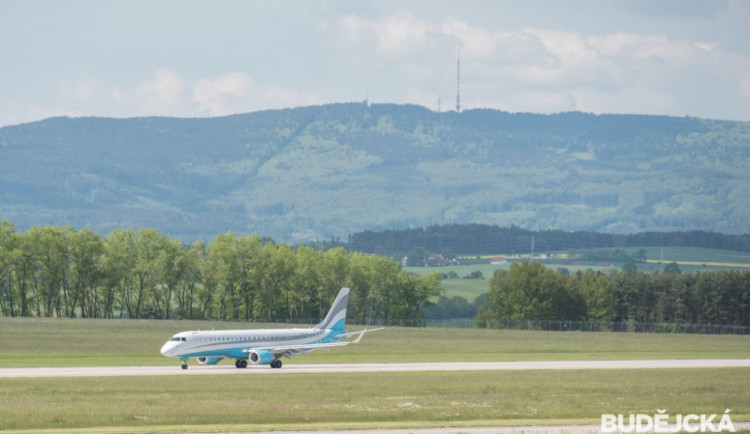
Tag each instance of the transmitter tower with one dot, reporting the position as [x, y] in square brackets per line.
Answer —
[458, 83]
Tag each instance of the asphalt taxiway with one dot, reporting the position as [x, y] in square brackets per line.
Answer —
[195, 369]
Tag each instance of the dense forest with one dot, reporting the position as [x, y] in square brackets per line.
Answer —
[324, 172]
[530, 291]
[61, 272]
[478, 239]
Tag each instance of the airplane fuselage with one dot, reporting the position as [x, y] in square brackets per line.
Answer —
[237, 343]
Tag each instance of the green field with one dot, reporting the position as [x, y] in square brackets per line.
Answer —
[466, 288]
[325, 401]
[71, 342]
[688, 259]
[729, 258]
[328, 401]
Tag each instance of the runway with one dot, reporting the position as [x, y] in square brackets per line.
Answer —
[229, 369]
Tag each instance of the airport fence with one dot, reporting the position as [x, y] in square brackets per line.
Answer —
[585, 326]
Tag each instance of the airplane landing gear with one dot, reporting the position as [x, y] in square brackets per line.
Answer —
[240, 363]
[276, 364]
[184, 363]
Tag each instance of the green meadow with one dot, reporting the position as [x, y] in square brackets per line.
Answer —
[209, 403]
[29, 342]
[687, 258]
[329, 401]
[466, 288]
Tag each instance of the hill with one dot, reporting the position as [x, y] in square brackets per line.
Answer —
[329, 171]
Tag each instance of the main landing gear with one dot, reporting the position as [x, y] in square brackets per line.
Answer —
[241, 364]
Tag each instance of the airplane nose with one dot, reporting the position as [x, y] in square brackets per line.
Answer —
[166, 348]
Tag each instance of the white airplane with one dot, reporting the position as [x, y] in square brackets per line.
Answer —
[266, 346]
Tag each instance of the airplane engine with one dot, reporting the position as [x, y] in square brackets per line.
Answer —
[260, 357]
[208, 360]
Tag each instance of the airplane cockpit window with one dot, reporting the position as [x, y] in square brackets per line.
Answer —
[184, 339]
[176, 339]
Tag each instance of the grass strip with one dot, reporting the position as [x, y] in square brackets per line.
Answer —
[371, 400]
[321, 427]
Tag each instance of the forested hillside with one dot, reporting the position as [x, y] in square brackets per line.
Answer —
[476, 239]
[329, 171]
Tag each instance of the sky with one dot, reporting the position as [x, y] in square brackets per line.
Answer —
[187, 58]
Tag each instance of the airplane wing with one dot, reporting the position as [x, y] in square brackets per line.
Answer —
[290, 350]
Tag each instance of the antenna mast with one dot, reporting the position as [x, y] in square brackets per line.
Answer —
[458, 82]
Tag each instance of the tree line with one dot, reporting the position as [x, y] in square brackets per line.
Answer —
[62, 272]
[479, 239]
[531, 291]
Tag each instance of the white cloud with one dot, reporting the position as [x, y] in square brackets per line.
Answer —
[538, 57]
[561, 58]
[745, 86]
[473, 41]
[223, 95]
[164, 94]
[401, 33]
[398, 34]
[279, 97]
[647, 48]
[542, 70]
[82, 90]
[236, 93]
[354, 27]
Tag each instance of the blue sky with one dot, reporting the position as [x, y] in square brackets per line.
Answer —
[211, 58]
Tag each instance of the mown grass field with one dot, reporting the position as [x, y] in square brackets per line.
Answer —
[328, 401]
[65, 342]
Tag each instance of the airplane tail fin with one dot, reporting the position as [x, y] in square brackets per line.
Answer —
[336, 318]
